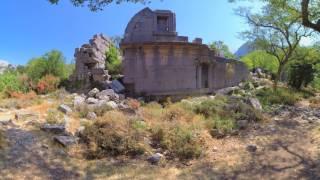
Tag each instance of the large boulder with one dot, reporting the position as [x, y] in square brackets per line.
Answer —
[78, 102]
[91, 100]
[255, 103]
[93, 92]
[108, 94]
[117, 86]
[226, 91]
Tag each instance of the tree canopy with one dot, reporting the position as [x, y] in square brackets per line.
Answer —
[277, 29]
[221, 47]
[95, 5]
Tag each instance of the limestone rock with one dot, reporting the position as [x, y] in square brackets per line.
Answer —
[226, 91]
[92, 100]
[91, 116]
[93, 92]
[255, 103]
[155, 159]
[108, 94]
[55, 129]
[65, 109]
[78, 102]
[66, 140]
[112, 104]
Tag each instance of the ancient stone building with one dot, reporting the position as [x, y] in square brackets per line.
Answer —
[159, 62]
[90, 60]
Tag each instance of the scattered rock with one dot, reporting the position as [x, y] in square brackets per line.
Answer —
[251, 148]
[93, 92]
[155, 159]
[78, 102]
[91, 100]
[226, 91]
[66, 140]
[91, 116]
[217, 134]
[55, 129]
[65, 109]
[108, 94]
[255, 103]
[242, 124]
[112, 104]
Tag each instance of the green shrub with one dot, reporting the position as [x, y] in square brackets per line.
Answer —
[281, 95]
[112, 135]
[222, 113]
[180, 141]
[9, 81]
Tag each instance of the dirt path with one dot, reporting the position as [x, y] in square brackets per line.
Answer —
[288, 147]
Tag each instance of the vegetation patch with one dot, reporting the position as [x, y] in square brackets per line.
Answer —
[113, 134]
[281, 95]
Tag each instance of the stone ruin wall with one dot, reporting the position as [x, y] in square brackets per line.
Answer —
[90, 60]
[168, 68]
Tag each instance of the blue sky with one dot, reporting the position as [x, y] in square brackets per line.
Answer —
[30, 28]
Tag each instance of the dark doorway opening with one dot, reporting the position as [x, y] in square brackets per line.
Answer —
[204, 76]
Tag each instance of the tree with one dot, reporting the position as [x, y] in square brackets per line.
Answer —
[52, 63]
[303, 67]
[310, 14]
[261, 59]
[221, 47]
[277, 30]
[95, 5]
[113, 61]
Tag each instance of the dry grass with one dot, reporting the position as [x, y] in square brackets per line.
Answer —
[315, 102]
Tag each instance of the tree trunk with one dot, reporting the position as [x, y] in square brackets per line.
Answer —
[277, 78]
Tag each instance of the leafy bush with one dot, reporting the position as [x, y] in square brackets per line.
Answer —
[112, 135]
[222, 113]
[301, 74]
[261, 59]
[9, 82]
[47, 84]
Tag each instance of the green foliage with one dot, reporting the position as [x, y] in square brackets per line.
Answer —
[304, 66]
[221, 47]
[9, 81]
[51, 63]
[113, 61]
[301, 74]
[95, 5]
[281, 95]
[261, 59]
[222, 113]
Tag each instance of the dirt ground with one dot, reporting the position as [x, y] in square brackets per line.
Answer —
[288, 147]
